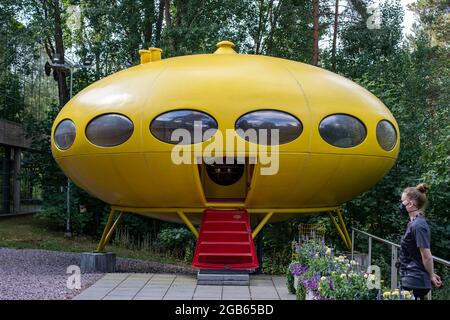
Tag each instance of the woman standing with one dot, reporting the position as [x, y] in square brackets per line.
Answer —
[416, 260]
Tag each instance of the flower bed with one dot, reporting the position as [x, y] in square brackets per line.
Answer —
[316, 273]
[397, 295]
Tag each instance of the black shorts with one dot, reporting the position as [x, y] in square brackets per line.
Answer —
[419, 294]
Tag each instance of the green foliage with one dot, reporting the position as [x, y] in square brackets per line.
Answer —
[351, 286]
[300, 293]
[442, 293]
[275, 261]
[175, 238]
[290, 281]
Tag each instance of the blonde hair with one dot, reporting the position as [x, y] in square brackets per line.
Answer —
[418, 194]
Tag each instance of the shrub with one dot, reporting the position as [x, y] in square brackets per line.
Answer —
[176, 240]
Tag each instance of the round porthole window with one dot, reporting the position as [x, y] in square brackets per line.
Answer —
[258, 126]
[343, 131]
[183, 127]
[65, 134]
[386, 135]
[109, 130]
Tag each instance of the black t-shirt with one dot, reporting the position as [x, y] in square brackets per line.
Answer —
[413, 273]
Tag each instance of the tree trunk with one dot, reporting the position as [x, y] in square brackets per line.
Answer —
[59, 49]
[167, 15]
[315, 52]
[335, 30]
[258, 39]
[168, 18]
[161, 10]
[132, 29]
[149, 17]
[273, 25]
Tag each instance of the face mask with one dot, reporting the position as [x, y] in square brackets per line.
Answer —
[402, 209]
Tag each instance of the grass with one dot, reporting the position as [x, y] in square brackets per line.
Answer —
[25, 232]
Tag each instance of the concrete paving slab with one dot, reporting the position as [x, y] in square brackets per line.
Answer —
[141, 286]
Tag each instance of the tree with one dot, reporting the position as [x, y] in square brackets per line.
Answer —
[315, 50]
[434, 17]
[335, 31]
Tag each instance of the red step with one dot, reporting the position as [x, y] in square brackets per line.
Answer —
[225, 241]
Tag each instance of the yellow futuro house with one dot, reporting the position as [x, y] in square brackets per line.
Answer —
[113, 138]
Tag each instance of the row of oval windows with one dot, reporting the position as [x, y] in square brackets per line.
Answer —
[340, 130]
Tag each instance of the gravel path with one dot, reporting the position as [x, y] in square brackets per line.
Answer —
[41, 274]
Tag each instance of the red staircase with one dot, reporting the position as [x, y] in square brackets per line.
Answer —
[225, 241]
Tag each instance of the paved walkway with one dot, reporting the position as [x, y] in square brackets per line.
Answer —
[147, 286]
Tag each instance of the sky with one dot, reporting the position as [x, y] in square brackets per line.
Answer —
[409, 18]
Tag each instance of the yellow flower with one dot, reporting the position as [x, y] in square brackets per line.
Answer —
[406, 294]
[386, 295]
[353, 262]
[323, 278]
[343, 275]
[328, 252]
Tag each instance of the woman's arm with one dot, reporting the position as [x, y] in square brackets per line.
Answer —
[427, 259]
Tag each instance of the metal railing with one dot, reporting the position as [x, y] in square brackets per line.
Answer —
[394, 255]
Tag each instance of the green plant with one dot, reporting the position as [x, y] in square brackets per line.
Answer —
[189, 253]
[301, 291]
[290, 281]
[175, 240]
[275, 261]
[326, 276]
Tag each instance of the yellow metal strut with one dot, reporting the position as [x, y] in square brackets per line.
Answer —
[109, 229]
[188, 223]
[341, 228]
[262, 224]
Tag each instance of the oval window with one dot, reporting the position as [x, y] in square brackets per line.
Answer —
[341, 130]
[258, 126]
[183, 127]
[65, 134]
[386, 135]
[109, 130]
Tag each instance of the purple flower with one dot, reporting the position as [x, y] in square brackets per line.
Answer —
[312, 283]
[297, 269]
[317, 296]
[331, 285]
